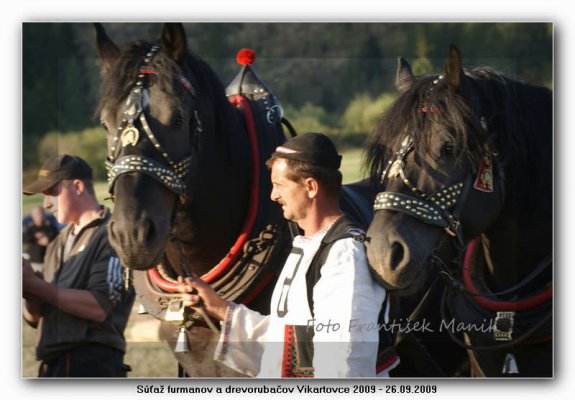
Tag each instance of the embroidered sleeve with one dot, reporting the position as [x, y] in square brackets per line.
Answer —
[240, 345]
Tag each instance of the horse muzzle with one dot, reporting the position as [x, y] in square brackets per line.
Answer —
[140, 245]
[397, 258]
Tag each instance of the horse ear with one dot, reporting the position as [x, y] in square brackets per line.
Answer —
[453, 68]
[106, 48]
[174, 41]
[404, 76]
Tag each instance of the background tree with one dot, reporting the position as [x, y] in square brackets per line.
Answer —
[323, 73]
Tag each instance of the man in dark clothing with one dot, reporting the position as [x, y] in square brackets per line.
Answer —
[80, 304]
[37, 233]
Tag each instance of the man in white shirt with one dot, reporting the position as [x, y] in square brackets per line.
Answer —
[324, 311]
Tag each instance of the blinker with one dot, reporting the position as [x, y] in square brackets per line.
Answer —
[171, 175]
[134, 105]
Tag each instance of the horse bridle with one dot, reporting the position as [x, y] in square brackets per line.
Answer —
[441, 208]
[169, 173]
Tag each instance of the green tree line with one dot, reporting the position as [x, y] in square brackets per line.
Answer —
[336, 77]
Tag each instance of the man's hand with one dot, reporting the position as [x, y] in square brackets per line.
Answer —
[196, 292]
[78, 302]
[29, 279]
[32, 310]
[41, 239]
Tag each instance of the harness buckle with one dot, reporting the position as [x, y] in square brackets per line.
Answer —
[175, 311]
[453, 228]
[503, 326]
[395, 168]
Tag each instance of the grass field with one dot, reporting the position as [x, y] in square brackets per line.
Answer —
[146, 354]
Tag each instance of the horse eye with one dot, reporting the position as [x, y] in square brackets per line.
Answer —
[448, 149]
[103, 125]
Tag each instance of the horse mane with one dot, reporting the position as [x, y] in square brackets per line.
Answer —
[519, 124]
[405, 117]
[119, 80]
[521, 117]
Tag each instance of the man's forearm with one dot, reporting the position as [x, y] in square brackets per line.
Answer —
[80, 303]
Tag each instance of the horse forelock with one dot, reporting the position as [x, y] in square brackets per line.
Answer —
[518, 117]
[119, 79]
[417, 112]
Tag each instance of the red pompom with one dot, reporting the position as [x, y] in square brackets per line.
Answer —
[246, 57]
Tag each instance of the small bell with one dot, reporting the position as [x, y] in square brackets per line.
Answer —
[510, 365]
[182, 342]
[142, 309]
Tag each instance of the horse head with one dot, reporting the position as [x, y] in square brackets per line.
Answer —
[163, 109]
[434, 156]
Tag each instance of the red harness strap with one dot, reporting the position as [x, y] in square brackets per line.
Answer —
[236, 250]
[238, 246]
[149, 70]
[495, 305]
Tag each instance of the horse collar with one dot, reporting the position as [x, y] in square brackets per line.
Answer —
[494, 301]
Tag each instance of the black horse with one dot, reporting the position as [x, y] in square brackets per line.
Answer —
[188, 181]
[185, 183]
[465, 157]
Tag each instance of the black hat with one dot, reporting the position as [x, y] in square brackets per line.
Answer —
[56, 169]
[314, 148]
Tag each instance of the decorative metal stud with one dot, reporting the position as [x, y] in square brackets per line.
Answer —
[130, 136]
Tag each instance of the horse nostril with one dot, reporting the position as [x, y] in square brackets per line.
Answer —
[397, 255]
[146, 231]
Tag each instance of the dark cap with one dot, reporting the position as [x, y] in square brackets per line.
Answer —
[56, 169]
[314, 148]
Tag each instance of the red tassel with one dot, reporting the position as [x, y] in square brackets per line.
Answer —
[246, 57]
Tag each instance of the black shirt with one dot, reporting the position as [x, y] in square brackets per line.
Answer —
[91, 265]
